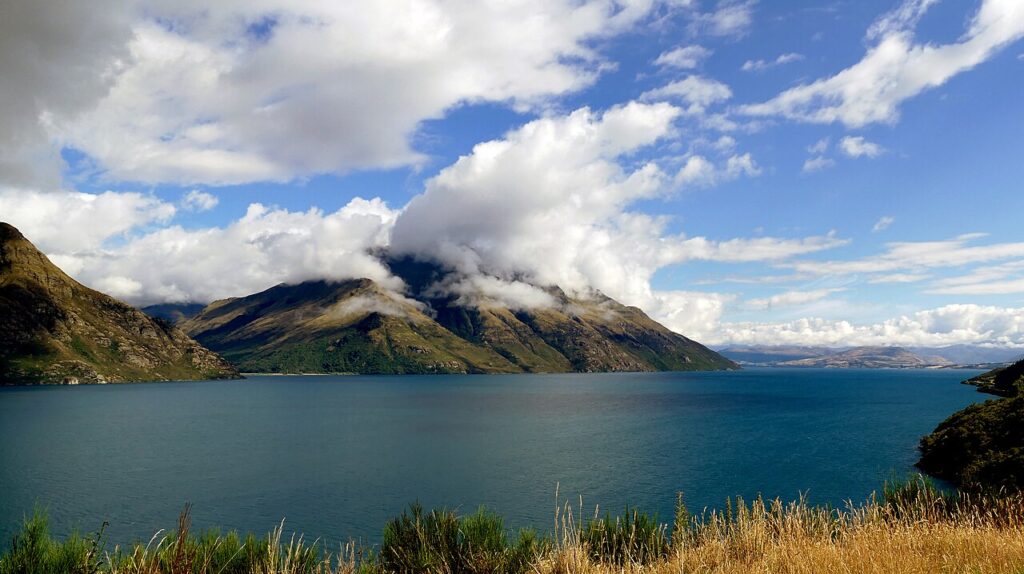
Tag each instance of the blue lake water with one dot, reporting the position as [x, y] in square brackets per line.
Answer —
[338, 456]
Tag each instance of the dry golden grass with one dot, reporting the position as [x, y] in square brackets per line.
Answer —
[882, 549]
[919, 531]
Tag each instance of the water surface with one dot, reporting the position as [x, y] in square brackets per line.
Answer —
[337, 456]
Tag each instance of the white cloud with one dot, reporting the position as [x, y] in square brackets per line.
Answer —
[819, 147]
[916, 256]
[549, 205]
[899, 278]
[1007, 278]
[265, 247]
[196, 200]
[206, 93]
[683, 57]
[857, 146]
[896, 68]
[817, 163]
[791, 298]
[1008, 287]
[697, 91]
[698, 171]
[67, 222]
[548, 200]
[730, 18]
[754, 249]
[762, 65]
[948, 325]
[883, 223]
[487, 291]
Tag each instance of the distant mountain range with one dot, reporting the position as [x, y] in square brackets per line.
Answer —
[357, 326]
[55, 330]
[871, 357]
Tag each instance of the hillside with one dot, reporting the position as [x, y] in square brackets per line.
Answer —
[984, 443]
[356, 326]
[55, 330]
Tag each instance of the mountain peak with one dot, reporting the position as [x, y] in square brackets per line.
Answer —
[9, 232]
[57, 330]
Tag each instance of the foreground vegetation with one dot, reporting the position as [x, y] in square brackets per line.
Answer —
[910, 528]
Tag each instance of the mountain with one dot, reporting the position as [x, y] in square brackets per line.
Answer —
[972, 354]
[359, 327]
[773, 354]
[869, 358]
[173, 312]
[949, 356]
[982, 445]
[55, 330]
[856, 357]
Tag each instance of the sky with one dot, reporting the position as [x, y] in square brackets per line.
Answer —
[746, 172]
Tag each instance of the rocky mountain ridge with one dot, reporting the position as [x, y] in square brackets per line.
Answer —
[357, 326]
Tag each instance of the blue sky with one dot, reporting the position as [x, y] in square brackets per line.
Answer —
[814, 173]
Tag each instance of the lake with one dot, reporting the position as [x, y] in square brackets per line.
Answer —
[338, 455]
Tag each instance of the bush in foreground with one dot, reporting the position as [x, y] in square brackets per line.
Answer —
[913, 527]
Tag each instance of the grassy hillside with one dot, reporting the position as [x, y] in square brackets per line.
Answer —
[343, 327]
[55, 330]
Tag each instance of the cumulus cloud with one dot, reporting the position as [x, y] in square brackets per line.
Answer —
[196, 200]
[265, 247]
[698, 171]
[696, 91]
[547, 199]
[190, 92]
[549, 205]
[857, 146]
[67, 222]
[897, 68]
[762, 65]
[683, 57]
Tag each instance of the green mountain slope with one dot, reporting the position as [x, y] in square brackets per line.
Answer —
[982, 445]
[55, 330]
[356, 326]
[349, 326]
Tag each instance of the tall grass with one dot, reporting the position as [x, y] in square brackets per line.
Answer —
[911, 527]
